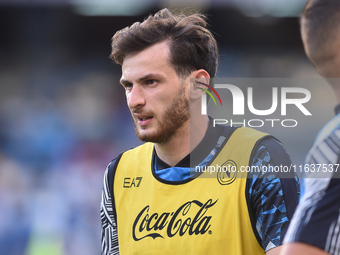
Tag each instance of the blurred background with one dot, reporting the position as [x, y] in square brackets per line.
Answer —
[63, 115]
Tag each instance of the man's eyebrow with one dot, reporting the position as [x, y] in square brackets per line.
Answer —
[123, 81]
[146, 77]
[149, 76]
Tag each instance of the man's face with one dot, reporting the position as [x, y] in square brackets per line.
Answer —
[157, 98]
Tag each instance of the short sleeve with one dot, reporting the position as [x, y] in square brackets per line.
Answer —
[272, 198]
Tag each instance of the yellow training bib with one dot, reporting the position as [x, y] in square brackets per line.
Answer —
[204, 215]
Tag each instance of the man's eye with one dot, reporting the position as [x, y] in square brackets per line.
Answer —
[127, 85]
[151, 82]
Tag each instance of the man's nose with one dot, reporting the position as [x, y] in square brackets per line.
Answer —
[135, 97]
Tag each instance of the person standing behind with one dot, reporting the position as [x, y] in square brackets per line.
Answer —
[315, 227]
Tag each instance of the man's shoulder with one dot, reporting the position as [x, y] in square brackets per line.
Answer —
[112, 166]
[145, 146]
[265, 141]
[139, 147]
[271, 150]
[246, 131]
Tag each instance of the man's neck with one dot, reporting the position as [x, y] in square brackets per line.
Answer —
[183, 142]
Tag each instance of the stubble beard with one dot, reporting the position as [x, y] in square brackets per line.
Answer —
[174, 117]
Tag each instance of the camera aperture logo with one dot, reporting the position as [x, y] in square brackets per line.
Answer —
[302, 96]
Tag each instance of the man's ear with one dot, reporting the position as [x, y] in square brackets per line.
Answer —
[198, 79]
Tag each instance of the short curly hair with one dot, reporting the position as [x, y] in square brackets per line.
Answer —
[192, 45]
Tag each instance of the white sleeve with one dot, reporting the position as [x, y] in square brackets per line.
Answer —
[109, 235]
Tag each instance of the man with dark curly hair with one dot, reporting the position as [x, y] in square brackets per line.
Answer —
[153, 202]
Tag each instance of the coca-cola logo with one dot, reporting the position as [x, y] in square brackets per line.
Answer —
[176, 223]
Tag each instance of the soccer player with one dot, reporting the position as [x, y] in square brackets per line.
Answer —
[315, 227]
[152, 201]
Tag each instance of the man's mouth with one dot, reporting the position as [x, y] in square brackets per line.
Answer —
[144, 120]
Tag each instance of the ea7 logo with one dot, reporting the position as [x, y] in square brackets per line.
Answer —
[132, 182]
